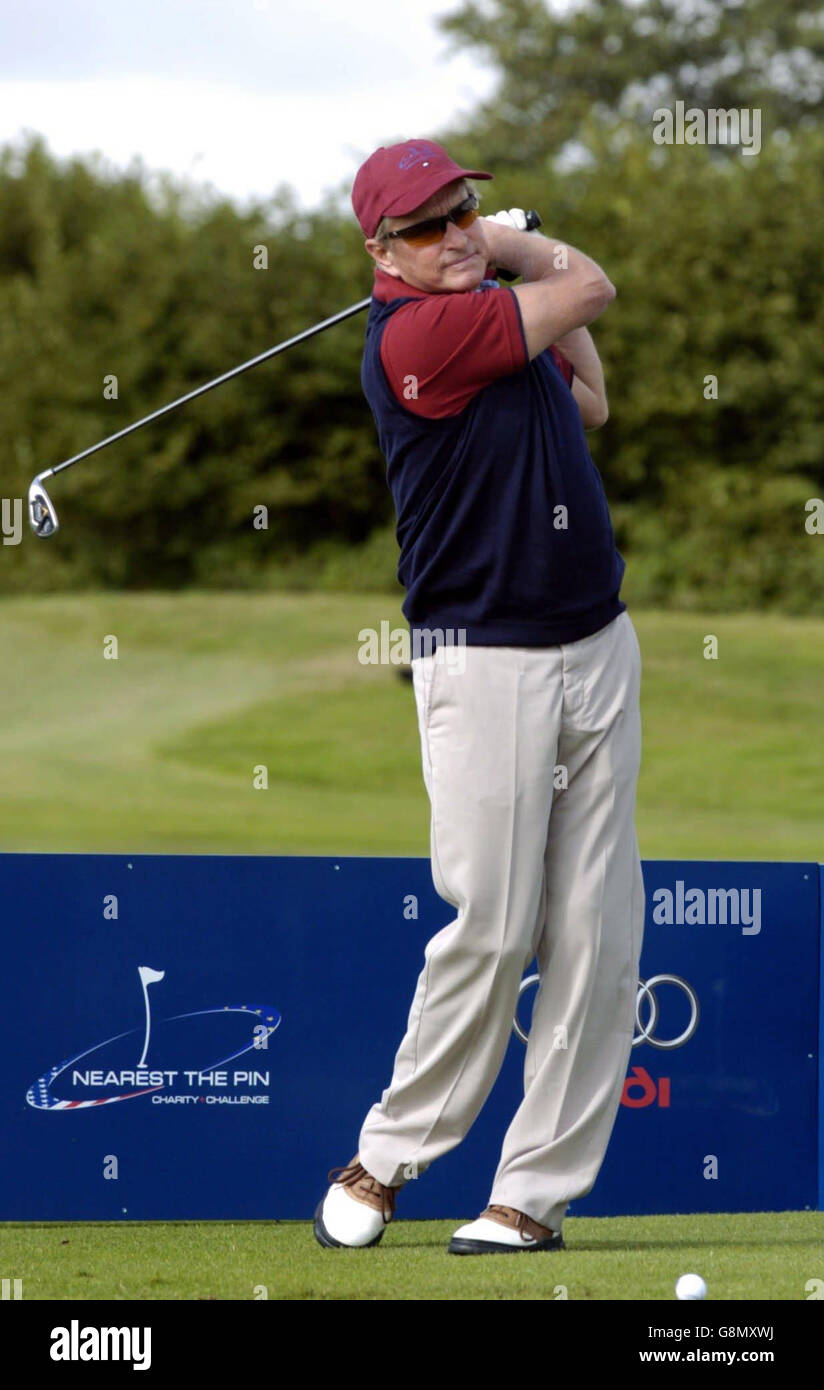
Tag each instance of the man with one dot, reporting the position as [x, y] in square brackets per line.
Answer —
[531, 745]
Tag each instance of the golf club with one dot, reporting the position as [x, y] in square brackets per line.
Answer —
[42, 514]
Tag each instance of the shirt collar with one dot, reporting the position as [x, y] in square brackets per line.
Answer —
[389, 287]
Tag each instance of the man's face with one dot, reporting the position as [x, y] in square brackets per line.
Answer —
[456, 262]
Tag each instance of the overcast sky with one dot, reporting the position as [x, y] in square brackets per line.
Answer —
[241, 94]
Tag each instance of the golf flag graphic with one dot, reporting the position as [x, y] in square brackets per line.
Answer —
[147, 977]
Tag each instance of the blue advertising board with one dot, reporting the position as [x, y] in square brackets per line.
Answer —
[201, 1037]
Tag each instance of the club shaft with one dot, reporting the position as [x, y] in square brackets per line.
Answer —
[210, 385]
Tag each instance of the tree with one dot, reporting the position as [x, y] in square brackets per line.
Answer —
[609, 60]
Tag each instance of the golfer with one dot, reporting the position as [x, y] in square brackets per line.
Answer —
[531, 741]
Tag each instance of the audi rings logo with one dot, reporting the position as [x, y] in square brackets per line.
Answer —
[646, 991]
[647, 996]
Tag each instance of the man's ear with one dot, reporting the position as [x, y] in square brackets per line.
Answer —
[377, 249]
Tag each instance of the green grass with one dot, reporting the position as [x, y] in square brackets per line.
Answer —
[155, 752]
[746, 1256]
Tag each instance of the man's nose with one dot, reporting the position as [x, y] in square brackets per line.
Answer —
[454, 238]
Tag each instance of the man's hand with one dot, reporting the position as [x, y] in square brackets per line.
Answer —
[498, 233]
[516, 217]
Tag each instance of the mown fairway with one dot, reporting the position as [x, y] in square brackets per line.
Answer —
[746, 1256]
[154, 752]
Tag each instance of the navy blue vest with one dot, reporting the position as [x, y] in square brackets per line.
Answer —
[476, 497]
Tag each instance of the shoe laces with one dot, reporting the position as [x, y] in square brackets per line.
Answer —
[355, 1175]
[521, 1220]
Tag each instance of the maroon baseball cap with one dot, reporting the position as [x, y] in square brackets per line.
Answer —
[396, 179]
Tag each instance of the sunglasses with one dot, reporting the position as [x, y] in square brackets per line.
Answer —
[428, 232]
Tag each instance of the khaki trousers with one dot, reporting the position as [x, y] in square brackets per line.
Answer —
[531, 867]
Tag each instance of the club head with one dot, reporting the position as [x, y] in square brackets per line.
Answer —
[42, 516]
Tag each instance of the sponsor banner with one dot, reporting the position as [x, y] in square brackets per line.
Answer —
[200, 1037]
[719, 1107]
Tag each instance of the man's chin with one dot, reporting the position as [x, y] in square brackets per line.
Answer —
[466, 273]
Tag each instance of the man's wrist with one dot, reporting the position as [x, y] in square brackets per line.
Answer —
[529, 254]
[539, 257]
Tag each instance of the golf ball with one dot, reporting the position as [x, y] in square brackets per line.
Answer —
[690, 1286]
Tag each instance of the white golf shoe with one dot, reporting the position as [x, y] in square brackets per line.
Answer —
[502, 1230]
[356, 1210]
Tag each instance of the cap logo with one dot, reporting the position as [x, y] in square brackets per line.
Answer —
[414, 156]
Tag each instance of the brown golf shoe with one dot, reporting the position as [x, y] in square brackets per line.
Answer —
[519, 1221]
[338, 1221]
[522, 1233]
[364, 1188]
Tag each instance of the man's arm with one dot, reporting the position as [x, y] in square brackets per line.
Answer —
[558, 298]
[560, 292]
[588, 386]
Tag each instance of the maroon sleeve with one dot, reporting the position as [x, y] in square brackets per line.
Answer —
[440, 351]
[566, 367]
